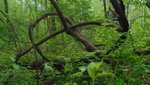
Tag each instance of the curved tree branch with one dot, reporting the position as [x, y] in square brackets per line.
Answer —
[31, 29]
[73, 33]
[74, 26]
[32, 25]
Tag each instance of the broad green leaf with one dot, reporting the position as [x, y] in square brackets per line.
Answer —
[91, 70]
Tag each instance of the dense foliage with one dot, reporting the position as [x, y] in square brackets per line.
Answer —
[80, 45]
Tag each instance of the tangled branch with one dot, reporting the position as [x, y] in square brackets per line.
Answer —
[69, 29]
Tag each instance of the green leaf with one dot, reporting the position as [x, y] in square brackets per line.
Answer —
[97, 65]
[12, 59]
[47, 67]
[92, 53]
[93, 68]
[16, 67]
[82, 68]
[76, 75]
[104, 74]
